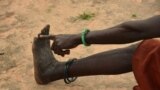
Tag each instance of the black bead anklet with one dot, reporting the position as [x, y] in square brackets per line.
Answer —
[67, 78]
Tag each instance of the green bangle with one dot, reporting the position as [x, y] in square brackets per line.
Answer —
[83, 36]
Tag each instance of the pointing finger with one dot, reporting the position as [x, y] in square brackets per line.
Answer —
[46, 37]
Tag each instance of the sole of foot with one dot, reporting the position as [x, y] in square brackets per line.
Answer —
[44, 61]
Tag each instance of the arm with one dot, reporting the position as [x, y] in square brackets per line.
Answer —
[126, 32]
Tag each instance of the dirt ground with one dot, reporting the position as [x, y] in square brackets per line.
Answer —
[21, 20]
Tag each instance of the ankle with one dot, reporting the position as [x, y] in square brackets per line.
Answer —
[53, 72]
[68, 78]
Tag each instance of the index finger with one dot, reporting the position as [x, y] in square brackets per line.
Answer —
[46, 37]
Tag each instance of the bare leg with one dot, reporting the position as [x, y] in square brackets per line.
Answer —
[48, 69]
[111, 62]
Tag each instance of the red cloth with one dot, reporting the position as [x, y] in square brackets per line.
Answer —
[146, 65]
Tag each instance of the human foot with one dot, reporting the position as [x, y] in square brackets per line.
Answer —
[46, 67]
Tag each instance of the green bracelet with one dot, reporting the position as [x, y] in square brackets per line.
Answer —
[83, 36]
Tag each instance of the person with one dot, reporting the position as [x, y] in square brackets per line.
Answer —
[142, 58]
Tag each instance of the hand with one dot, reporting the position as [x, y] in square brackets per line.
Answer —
[63, 43]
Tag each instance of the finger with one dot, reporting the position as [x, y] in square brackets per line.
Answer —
[52, 37]
[63, 55]
[66, 52]
[57, 50]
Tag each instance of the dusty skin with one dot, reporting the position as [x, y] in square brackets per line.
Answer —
[22, 20]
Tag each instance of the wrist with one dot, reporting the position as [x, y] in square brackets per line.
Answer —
[77, 39]
[83, 37]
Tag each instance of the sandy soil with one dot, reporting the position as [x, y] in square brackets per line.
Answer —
[21, 20]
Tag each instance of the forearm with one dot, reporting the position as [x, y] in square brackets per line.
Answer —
[126, 32]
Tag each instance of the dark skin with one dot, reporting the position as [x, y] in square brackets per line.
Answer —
[126, 32]
[118, 61]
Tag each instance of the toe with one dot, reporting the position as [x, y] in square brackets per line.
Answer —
[45, 30]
